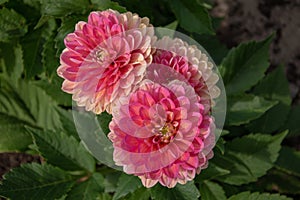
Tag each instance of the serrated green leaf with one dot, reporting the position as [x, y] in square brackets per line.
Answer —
[256, 196]
[11, 59]
[211, 191]
[245, 65]
[58, 8]
[33, 42]
[249, 157]
[67, 121]
[181, 192]
[13, 136]
[62, 150]
[53, 88]
[12, 25]
[29, 103]
[126, 184]
[292, 123]
[35, 182]
[244, 108]
[192, 16]
[289, 161]
[88, 190]
[49, 60]
[211, 172]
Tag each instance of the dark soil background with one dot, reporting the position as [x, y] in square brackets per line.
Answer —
[243, 20]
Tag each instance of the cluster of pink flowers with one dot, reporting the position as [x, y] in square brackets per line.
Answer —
[159, 92]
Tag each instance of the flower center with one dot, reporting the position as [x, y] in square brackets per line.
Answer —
[100, 55]
[165, 134]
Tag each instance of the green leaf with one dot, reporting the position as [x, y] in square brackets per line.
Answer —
[172, 25]
[192, 16]
[274, 87]
[111, 181]
[181, 192]
[12, 25]
[13, 136]
[35, 182]
[29, 103]
[104, 119]
[58, 8]
[49, 60]
[271, 120]
[244, 108]
[67, 121]
[126, 184]
[3, 1]
[140, 194]
[280, 182]
[62, 150]
[87, 190]
[289, 161]
[53, 88]
[11, 59]
[292, 124]
[35, 41]
[211, 191]
[211, 172]
[249, 157]
[256, 196]
[107, 4]
[245, 65]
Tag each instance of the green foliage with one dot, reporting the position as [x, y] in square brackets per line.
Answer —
[126, 184]
[249, 157]
[58, 8]
[256, 195]
[245, 65]
[273, 87]
[192, 16]
[289, 161]
[211, 191]
[30, 181]
[62, 150]
[12, 25]
[244, 108]
[13, 136]
[181, 192]
[87, 190]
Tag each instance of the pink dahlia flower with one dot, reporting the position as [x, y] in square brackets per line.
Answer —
[105, 58]
[189, 62]
[161, 133]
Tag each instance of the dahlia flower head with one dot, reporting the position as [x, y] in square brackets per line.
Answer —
[160, 93]
[105, 58]
[163, 131]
